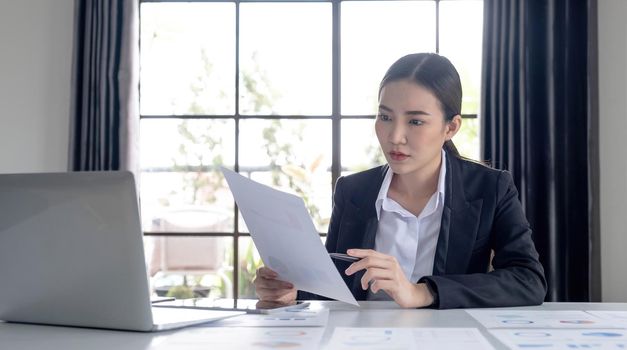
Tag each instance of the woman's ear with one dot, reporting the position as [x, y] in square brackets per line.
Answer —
[453, 126]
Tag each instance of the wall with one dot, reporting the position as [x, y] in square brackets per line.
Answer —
[36, 45]
[613, 135]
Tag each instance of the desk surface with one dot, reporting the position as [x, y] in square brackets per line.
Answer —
[371, 314]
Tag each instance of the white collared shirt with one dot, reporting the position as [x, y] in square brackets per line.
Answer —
[412, 240]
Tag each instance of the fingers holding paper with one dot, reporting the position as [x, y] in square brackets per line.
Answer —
[383, 272]
[269, 288]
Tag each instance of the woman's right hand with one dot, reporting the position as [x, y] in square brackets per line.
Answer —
[269, 288]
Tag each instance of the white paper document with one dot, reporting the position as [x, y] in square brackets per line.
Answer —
[505, 318]
[407, 338]
[204, 338]
[620, 317]
[286, 238]
[289, 318]
[548, 338]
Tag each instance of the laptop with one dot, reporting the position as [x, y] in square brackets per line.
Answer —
[71, 253]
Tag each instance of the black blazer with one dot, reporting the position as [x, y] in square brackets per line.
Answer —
[481, 213]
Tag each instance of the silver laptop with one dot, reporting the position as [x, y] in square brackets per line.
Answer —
[71, 253]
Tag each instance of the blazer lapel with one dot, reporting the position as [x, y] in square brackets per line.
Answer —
[366, 212]
[460, 219]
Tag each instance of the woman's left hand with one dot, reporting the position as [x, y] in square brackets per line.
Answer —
[386, 274]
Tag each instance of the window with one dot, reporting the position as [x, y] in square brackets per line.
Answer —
[282, 92]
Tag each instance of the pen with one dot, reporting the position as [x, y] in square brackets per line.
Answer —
[344, 257]
[161, 299]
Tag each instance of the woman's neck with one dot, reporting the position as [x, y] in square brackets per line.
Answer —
[421, 183]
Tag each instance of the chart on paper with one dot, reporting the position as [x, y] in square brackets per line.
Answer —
[539, 319]
[203, 338]
[549, 338]
[291, 318]
[345, 338]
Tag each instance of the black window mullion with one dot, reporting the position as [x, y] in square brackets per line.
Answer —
[336, 123]
[437, 26]
[237, 116]
[190, 233]
[236, 234]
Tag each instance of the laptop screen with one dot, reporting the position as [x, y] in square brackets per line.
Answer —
[71, 251]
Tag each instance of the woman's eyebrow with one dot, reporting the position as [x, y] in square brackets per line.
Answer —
[410, 113]
[385, 108]
[413, 113]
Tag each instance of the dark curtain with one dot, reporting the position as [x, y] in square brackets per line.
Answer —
[535, 122]
[104, 113]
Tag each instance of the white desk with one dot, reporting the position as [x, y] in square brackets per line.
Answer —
[371, 314]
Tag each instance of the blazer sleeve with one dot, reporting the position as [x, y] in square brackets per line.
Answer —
[517, 278]
[332, 233]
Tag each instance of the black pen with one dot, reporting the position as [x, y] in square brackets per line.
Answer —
[344, 257]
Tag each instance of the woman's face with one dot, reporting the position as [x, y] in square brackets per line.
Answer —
[410, 127]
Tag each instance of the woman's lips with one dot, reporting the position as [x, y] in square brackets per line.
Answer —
[398, 156]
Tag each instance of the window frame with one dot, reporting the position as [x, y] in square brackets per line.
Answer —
[336, 117]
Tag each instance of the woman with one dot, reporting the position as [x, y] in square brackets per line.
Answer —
[425, 224]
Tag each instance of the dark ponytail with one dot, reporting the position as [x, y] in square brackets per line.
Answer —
[450, 148]
[436, 74]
